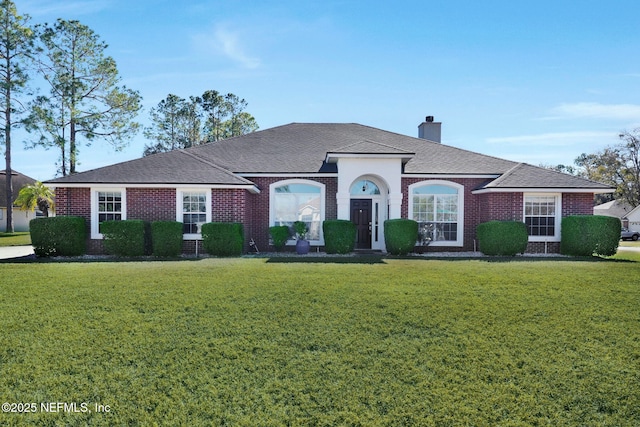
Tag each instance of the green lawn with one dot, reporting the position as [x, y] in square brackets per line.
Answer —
[15, 239]
[245, 342]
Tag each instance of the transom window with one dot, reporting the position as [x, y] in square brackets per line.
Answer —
[437, 207]
[540, 215]
[194, 211]
[298, 201]
[364, 187]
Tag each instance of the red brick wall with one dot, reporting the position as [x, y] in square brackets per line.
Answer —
[577, 204]
[151, 204]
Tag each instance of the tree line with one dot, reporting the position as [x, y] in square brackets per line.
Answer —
[183, 123]
[617, 165]
[84, 100]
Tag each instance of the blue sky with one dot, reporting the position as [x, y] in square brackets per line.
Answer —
[537, 82]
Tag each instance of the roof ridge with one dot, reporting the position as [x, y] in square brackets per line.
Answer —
[365, 140]
[213, 165]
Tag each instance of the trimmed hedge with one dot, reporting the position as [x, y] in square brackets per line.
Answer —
[58, 236]
[124, 238]
[223, 238]
[166, 238]
[279, 235]
[400, 235]
[339, 236]
[587, 235]
[502, 237]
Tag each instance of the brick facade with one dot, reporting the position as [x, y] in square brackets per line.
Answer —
[238, 205]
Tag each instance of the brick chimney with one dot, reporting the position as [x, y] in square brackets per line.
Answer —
[430, 130]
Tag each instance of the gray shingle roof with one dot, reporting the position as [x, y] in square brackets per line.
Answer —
[303, 148]
[175, 167]
[523, 175]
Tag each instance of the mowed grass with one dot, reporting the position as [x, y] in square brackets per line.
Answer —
[244, 342]
[15, 239]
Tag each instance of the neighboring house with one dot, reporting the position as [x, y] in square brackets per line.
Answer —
[614, 208]
[20, 218]
[313, 172]
[632, 220]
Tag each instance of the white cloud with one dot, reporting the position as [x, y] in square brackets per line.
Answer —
[627, 112]
[555, 138]
[223, 41]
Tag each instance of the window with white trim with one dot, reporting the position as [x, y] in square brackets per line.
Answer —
[542, 216]
[193, 210]
[107, 205]
[437, 206]
[298, 200]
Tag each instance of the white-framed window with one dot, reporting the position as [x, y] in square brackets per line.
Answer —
[438, 207]
[542, 215]
[298, 200]
[193, 208]
[107, 204]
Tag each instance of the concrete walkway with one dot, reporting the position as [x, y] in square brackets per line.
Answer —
[10, 252]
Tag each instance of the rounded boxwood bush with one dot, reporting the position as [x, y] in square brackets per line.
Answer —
[223, 238]
[400, 235]
[587, 235]
[58, 236]
[279, 235]
[124, 238]
[339, 236]
[166, 238]
[502, 237]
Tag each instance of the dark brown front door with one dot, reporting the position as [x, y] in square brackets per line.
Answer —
[361, 217]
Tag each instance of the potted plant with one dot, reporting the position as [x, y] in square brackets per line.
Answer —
[302, 245]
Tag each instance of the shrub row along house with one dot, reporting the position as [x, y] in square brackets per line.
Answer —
[315, 171]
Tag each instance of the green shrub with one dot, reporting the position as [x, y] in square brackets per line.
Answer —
[124, 238]
[223, 238]
[279, 235]
[58, 236]
[400, 235]
[339, 236]
[502, 237]
[166, 238]
[587, 235]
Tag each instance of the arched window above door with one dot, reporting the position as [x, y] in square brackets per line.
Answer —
[364, 187]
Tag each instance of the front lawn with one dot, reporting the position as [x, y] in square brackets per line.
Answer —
[20, 238]
[245, 342]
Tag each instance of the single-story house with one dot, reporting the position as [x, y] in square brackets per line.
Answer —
[632, 219]
[317, 171]
[20, 218]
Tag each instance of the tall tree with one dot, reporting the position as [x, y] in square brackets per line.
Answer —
[16, 47]
[617, 165]
[175, 123]
[85, 97]
[215, 110]
[180, 123]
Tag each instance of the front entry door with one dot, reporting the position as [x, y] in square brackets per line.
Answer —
[361, 217]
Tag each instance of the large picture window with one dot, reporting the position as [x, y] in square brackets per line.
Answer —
[541, 216]
[438, 209]
[298, 200]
